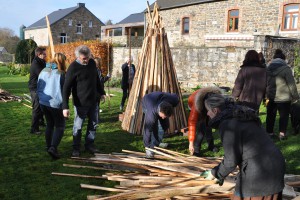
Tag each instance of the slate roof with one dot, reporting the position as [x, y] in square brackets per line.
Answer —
[168, 4]
[55, 16]
[133, 18]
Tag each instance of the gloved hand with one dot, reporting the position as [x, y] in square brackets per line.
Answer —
[207, 175]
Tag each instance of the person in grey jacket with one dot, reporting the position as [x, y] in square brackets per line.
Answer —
[49, 90]
[250, 83]
[281, 92]
[246, 146]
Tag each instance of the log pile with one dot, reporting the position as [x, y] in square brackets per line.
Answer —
[169, 175]
[6, 96]
[155, 72]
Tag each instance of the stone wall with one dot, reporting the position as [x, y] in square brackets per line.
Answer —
[194, 66]
[213, 65]
[80, 16]
[208, 23]
[40, 36]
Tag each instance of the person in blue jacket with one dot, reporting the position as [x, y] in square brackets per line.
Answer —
[49, 89]
[157, 107]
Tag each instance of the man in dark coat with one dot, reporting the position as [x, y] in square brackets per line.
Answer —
[128, 72]
[157, 107]
[37, 65]
[82, 79]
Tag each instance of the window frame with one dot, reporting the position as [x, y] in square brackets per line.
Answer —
[183, 23]
[284, 13]
[79, 27]
[63, 39]
[233, 20]
[70, 23]
[90, 24]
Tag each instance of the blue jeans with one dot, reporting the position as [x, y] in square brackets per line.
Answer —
[81, 113]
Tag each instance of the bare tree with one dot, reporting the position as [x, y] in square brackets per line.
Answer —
[109, 22]
[8, 40]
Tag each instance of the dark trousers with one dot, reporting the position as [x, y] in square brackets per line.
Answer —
[284, 111]
[124, 97]
[37, 114]
[81, 113]
[203, 131]
[55, 125]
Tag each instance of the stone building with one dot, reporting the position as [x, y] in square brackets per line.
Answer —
[228, 22]
[119, 33]
[67, 25]
[209, 38]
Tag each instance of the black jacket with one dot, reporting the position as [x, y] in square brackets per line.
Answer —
[37, 66]
[125, 75]
[84, 83]
[151, 103]
[247, 145]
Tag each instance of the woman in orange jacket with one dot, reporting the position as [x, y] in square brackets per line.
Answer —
[197, 126]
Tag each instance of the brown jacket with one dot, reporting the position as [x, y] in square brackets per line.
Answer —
[250, 86]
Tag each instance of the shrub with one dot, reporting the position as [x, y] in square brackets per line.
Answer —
[18, 69]
[297, 65]
[25, 51]
[114, 82]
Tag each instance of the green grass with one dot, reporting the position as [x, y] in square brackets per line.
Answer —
[25, 167]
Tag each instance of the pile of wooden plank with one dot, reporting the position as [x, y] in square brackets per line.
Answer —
[6, 96]
[169, 175]
[155, 72]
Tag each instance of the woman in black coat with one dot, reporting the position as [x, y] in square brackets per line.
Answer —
[246, 145]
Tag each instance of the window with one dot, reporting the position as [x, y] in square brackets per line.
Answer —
[109, 32]
[233, 20]
[79, 28]
[185, 25]
[90, 24]
[63, 38]
[290, 17]
[70, 22]
[117, 31]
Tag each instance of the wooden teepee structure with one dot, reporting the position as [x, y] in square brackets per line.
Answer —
[155, 72]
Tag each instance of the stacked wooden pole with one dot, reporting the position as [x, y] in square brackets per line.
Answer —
[155, 72]
[172, 175]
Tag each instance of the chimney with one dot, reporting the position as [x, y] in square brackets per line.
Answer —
[80, 4]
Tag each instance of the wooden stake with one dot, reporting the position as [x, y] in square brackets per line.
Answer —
[50, 37]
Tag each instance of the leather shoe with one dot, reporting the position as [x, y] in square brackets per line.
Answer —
[91, 149]
[75, 153]
[53, 152]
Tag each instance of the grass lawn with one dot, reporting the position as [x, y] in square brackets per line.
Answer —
[25, 166]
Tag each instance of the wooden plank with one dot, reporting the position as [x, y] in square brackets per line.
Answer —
[94, 187]
[77, 175]
[50, 37]
[167, 155]
[170, 192]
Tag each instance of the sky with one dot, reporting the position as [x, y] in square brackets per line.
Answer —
[15, 13]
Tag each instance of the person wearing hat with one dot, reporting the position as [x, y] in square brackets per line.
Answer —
[246, 146]
[197, 126]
